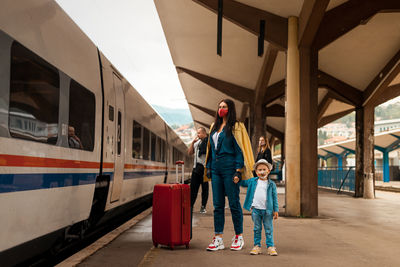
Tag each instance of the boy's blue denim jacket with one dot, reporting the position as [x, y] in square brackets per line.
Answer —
[251, 184]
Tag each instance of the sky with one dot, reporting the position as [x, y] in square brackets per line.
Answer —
[130, 35]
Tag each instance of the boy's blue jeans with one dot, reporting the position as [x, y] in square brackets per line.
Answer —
[261, 217]
[222, 184]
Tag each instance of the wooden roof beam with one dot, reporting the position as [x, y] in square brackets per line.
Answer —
[205, 110]
[235, 91]
[340, 89]
[382, 80]
[203, 123]
[265, 75]
[248, 18]
[243, 114]
[275, 111]
[328, 119]
[345, 17]
[275, 91]
[389, 93]
[278, 134]
[311, 15]
[323, 106]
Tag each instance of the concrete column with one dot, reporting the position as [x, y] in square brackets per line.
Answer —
[258, 125]
[308, 131]
[359, 179]
[364, 186]
[386, 175]
[369, 153]
[292, 131]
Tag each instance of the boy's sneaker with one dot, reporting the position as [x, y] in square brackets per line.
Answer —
[256, 250]
[237, 242]
[216, 244]
[272, 251]
[203, 209]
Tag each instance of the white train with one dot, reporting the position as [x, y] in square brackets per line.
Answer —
[77, 142]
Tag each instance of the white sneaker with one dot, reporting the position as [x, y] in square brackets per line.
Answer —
[237, 242]
[216, 244]
[272, 251]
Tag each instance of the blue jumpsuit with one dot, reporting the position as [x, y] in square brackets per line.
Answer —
[223, 162]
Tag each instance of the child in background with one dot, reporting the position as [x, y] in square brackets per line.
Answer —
[262, 201]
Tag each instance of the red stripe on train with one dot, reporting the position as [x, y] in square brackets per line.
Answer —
[28, 161]
[138, 166]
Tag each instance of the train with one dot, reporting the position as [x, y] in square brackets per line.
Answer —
[78, 144]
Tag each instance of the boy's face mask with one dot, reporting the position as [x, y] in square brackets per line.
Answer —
[262, 172]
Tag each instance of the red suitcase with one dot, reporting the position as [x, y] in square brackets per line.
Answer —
[171, 215]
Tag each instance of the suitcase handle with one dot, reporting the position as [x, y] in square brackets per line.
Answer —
[177, 163]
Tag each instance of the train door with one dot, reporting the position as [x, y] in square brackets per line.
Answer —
[119, 139]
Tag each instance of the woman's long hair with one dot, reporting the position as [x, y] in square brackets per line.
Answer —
[266, 146]
[231, 117]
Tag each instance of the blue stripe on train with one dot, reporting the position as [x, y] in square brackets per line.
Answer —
[35, 181]
[140, 174]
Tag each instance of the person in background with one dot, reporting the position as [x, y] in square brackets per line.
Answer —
[264, 151]
[73, 140]
[198, 148]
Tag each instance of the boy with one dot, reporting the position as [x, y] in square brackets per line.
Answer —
[262, 201]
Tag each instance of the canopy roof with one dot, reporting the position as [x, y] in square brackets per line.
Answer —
[358, 44]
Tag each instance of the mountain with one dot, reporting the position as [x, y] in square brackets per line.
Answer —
[174, 116]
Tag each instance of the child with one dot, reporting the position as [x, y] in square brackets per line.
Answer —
[262, 200]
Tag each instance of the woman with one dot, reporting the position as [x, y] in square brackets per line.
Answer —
[264, 151]
[228, 151]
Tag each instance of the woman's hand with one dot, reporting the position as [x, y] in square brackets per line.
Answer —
[276, 215]
[237, 177]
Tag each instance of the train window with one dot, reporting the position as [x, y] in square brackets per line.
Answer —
[111, 113]
[119, 132]
[153, 147]
[158, 149]
[176, 155]
[162, 150]
[82, 109]
[146, 143]
[34, 97]
[137, 140]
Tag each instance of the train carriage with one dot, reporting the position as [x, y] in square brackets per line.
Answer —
[77, 141]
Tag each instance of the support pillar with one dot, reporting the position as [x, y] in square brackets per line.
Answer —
[364, 182]
[359, 179]
[369, 153]
[386, 175]
[292, 132]
[340, 162]
[309, 131]
[258, 125]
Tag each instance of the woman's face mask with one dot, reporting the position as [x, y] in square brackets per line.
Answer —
[222, 112]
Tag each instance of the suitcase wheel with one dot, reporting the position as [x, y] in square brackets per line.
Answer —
[155, 245]
[187, 246]
[171, 247]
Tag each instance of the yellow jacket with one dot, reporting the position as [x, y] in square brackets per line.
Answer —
[243, 140]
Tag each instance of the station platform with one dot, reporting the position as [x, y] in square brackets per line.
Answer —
[392, 186]
[348, 232]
